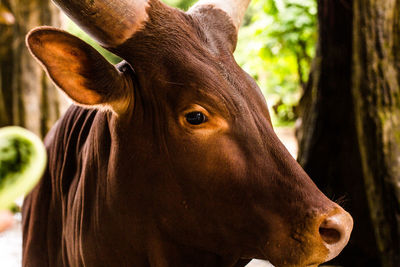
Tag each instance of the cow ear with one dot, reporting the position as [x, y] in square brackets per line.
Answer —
[221, 18]
[218, 26]
[78, 69]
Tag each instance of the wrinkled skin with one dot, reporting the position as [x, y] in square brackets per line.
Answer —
[132, 183]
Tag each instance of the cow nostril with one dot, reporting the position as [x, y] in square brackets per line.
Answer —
[335, 232]
[329, 235]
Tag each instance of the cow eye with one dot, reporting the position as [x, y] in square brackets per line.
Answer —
[196, 118]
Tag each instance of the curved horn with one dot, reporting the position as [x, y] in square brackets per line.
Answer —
[234, 8]
[110, 22]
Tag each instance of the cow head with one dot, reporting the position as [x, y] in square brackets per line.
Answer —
[193, 131]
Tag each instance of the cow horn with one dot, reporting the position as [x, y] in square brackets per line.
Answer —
[110, 22]
[234, 8]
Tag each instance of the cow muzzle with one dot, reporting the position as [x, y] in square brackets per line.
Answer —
[335, 231]
[319, 240]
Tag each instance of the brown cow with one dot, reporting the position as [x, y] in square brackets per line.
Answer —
[168, 159]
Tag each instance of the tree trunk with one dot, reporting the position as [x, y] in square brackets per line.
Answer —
[376, 89]
[27, 97]
[329, 149]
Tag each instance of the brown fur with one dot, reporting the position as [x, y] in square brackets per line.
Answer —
[145, 188]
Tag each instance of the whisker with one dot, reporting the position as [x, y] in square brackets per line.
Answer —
[342, 201]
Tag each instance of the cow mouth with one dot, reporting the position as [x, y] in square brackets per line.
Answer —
[325, 239]
[310, 264]
[304, 249]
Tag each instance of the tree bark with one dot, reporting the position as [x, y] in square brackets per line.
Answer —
[329, 150]
[376, 90]
[27, 97]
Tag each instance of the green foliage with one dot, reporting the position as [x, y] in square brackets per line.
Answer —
[182, 4]
[276, 45]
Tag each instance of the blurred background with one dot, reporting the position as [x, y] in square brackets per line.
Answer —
[330, 71]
